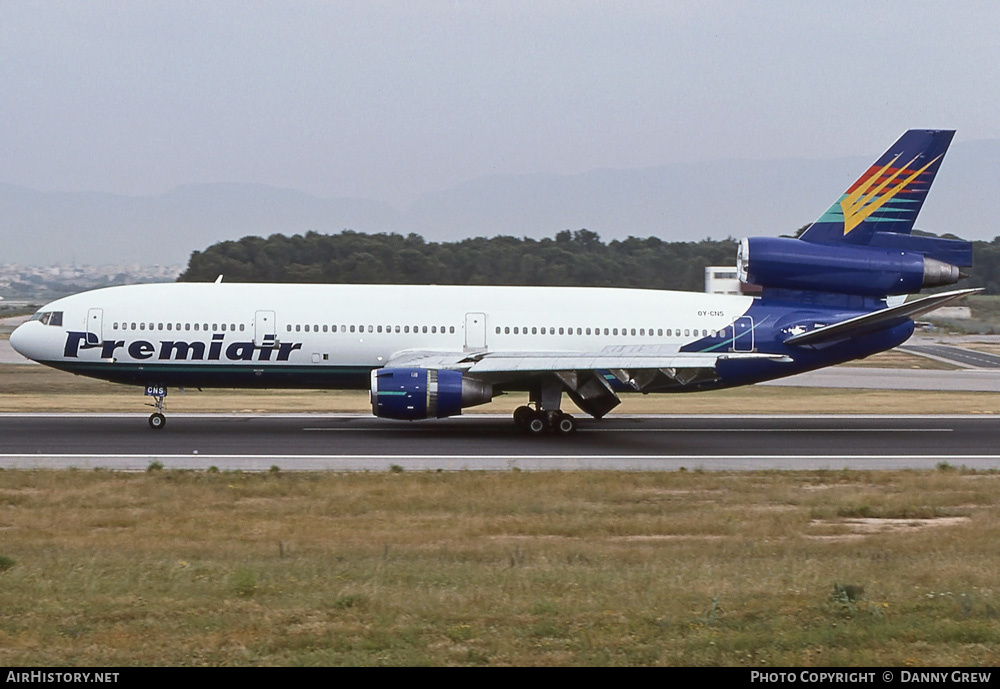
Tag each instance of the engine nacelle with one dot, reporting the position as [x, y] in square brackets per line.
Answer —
[423, 393]
[841, 268]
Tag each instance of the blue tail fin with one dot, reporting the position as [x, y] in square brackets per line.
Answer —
[888, 196]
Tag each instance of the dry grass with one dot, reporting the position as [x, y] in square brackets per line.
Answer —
[684, 568]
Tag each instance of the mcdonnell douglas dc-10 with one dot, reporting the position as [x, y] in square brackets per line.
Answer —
[431, 351]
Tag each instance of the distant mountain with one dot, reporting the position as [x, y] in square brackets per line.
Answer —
[680, 201]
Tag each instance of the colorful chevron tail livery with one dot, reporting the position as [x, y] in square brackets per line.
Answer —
[890, 193]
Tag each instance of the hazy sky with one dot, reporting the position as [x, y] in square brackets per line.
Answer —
[386, 100]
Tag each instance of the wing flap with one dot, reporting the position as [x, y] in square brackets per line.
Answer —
[528, 362]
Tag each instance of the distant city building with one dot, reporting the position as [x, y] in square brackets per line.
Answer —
[724, 280]
[17, 280]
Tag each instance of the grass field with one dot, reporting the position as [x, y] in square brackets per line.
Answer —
[831, 568]
[470, 568]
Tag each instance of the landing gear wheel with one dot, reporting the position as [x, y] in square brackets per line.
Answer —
[565, 424]
[537, 424]
[522, 416]
[157, 421]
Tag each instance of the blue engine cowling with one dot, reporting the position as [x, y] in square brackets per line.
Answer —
[842, 268]
[423, 393]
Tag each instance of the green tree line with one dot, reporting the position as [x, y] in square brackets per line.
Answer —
[570, 258]
[577, 258]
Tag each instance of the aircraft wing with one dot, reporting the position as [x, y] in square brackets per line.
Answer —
[485, 364]
[587, 377]
[538, 362]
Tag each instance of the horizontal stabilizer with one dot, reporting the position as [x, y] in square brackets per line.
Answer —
[878, 320]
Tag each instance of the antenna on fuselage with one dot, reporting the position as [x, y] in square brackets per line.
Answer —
[218, 279]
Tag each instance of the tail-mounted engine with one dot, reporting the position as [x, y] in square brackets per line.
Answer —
[871, 271]
[422, 393]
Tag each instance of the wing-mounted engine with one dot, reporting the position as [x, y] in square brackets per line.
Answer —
[424, 393]
[870, 271]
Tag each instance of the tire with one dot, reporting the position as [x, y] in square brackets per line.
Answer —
[157, 421]
[537, 424]
[522, 416]
[565, 425]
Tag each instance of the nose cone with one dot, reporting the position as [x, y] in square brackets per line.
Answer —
[19, 339]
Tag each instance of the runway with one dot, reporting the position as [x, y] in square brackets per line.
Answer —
[485, 442]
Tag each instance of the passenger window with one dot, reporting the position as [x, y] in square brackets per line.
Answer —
[298, 328]
[380, 328]
[434, 329]
[425, 329]
[142, 326]
[451, 329]
[352, 328]
[534, 330]
[371, 328]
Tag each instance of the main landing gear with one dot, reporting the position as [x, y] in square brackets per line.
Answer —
[542, 413]
[536, 421]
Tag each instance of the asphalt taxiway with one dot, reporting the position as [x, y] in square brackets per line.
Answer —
[485, 442]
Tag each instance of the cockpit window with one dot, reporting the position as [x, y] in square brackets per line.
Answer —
[49, 317]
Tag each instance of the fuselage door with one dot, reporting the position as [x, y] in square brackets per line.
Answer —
[95, 326]
[264, 327]
[475, 331]
[743, 334]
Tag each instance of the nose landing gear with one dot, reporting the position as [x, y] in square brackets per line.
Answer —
[159, 393]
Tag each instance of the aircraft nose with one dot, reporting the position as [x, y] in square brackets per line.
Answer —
[19, 340]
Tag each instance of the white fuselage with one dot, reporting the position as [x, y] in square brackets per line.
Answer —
[267, 325]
